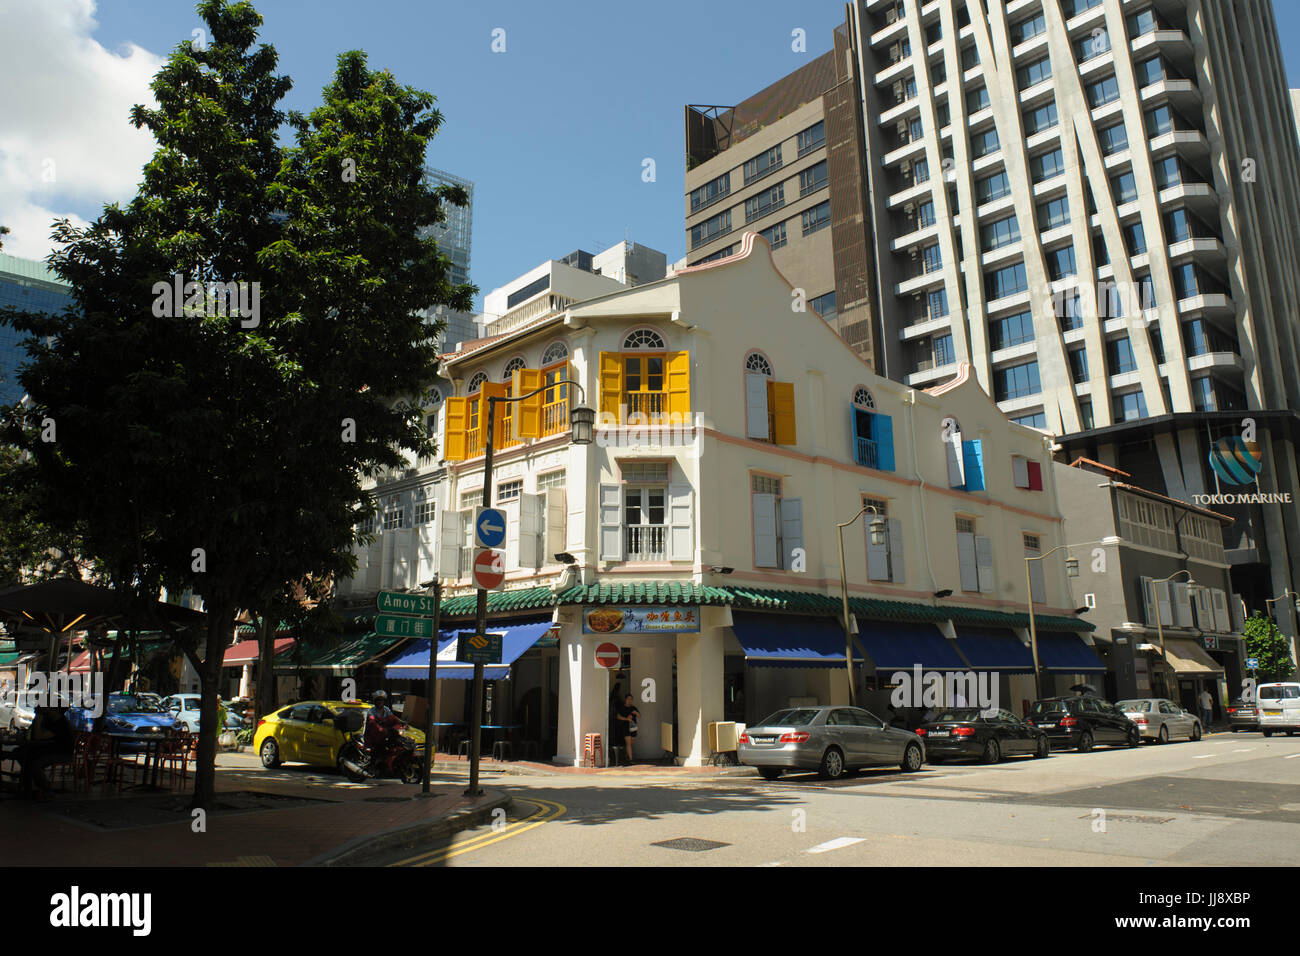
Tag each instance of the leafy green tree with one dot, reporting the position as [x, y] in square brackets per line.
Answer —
[1266, 642]
[201, 449]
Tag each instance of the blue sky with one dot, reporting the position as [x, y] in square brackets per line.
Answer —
[553, 131]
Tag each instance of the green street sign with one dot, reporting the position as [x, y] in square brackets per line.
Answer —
[389, 625]
[473, 648]
[399, 602]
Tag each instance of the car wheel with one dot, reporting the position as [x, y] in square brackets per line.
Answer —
[832, 767]
[1044, 749]
[1164, 735]
[769, 773]
[1135, 738]
[1085, 742]
[912, 758]
[1196, 731]
[1267, 733]
[270, 753]
[992, 752]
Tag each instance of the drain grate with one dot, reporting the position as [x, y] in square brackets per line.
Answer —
[690, 844]
[1131, 818]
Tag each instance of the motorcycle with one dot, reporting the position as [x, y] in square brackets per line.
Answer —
[399, 758]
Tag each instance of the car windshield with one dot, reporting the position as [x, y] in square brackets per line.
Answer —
[130, 704]
[798, 717]
[1141, 706]
[959, 713]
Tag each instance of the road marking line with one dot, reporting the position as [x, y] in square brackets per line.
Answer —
[1291, 756]
[1243, 750]
[546, 811]
[836, 844]
[775, 863]
[1205, 756]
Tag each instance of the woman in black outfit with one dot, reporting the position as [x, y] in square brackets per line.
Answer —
[628, 716]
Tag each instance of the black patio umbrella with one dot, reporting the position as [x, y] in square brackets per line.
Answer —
[1084, 689]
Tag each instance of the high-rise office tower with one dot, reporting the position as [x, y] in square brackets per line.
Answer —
[30, 286]
[1097, 204]
[453, 235]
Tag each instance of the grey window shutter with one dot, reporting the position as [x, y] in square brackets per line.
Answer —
[877, 555]
[756, 406]
[1204, 610]
[1182, 604]
[1020, 471]
[1222, 617]
[530, 530]
[511, 556]
[681, 542]
[1149, 599]
[557, 521]
[791, 528]
[970, 579]
[984, 561]
[611, 522]
[1162, 598]
[956, 466]
[896, 562]
[449, 545]
[1037, 586]
[765, 546]
[1237, 612]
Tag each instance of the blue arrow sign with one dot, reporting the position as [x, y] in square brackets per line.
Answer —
[490, 527]
[1252, 663]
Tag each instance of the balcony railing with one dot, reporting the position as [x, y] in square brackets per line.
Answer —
[649, 404]
[865, 453]
[647, 542]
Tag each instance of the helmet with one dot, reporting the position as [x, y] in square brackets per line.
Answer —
[379, 697]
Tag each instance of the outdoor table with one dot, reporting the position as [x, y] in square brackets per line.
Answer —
[508, 728]
[152, 755]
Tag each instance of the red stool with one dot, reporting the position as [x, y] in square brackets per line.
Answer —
[592, 754]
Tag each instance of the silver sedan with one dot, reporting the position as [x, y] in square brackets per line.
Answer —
[1160, 719]
[830, 739]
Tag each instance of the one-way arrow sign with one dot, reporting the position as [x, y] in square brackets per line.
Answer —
[490, 527]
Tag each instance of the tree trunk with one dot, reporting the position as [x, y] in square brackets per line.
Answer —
[265, 668]
[220, 632]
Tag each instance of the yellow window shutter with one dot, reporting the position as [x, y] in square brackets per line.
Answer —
[611, 382]
[500, 390]
[679, 386]
[453, 438]
[780, 403]
[528, 416]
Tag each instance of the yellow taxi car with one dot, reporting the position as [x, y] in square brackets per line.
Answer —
[313, 731]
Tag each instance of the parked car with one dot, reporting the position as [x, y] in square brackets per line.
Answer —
[186, 709]
[17, 708]
[1081, 722]
[313, 732]
[1279, 707]
[1243, 715]
[830, 739]
[988, 736]
[1160, 719]
[129, 715]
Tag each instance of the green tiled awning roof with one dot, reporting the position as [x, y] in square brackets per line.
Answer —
[653, 592]
[340, 659]
[524, 599]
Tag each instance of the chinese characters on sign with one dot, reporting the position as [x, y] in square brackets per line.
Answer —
[641, 620]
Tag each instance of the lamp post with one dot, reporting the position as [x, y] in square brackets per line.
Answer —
[582, 421]
[1072, 569]
[876, 528]
[1160, 630]
[1295, 620]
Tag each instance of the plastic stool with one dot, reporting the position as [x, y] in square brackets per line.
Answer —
[616, 755]
[501, 748]
[463, 748]
[592, 755]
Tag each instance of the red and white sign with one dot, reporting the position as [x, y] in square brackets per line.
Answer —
[489, 569]
[608, 655]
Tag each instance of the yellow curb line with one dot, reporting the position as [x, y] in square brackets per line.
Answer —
[546, 811]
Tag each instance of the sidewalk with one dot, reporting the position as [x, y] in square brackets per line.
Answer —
[450, 763]
[259, 819]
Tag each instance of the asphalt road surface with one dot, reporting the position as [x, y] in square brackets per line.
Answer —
[1228, 800]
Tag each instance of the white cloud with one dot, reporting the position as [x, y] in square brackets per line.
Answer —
[66, 143]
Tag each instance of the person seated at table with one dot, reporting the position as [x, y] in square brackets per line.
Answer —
[50, 742]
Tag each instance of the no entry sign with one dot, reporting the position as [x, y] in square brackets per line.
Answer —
[608, 655]
[489, 570]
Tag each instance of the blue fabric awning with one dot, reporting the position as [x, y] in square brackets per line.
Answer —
[995, 649]
[1062, 651]
[894, 646]
[413, 664]
[789, 640]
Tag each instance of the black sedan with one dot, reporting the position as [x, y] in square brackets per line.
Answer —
[1084, 721]
[987, 735]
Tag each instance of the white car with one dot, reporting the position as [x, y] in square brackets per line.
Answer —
[1279, 707]
[185, 708]
[17, 708]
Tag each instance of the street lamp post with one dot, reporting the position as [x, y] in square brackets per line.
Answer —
[1072, 569]
[582, 421]
[876, 527]
[1295, 620]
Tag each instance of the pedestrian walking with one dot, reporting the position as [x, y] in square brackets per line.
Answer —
[1207, 708]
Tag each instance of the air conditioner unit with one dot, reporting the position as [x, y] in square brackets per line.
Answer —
[910, 208]
[1090, 600]
[914, 252]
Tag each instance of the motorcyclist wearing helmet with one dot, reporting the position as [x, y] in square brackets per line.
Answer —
[379, 723]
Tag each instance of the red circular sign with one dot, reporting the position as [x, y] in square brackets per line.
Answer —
[488, 569]
[608, 655]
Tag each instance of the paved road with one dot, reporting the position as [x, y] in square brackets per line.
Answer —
[1227, 800]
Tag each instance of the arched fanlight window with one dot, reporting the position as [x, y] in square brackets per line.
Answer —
[647, 339]
[555, 352]
[476, 383]
[757, 362]
[514, 365]
[862, 398]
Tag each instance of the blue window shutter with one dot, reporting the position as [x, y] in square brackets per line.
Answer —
[882, 431]
[972, 454]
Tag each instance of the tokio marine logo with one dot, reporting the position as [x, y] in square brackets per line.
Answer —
[1236, 460]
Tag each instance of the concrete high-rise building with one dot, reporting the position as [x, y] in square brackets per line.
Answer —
[1097, 204]
[28, 285]
[453, 235]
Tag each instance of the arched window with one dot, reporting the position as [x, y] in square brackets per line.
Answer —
[555, 352]
[645, 339]
[757, 362]
[476, 383]
[433, 397]
[514, 365]
[862, 398]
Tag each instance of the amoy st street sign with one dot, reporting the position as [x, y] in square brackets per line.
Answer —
[399, 602]
[390, 625]
[474, 648]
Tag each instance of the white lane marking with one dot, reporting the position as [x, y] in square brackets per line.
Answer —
[775, 863]
[836, 844]
[1205, 756]
[1243, 750]
[1291, 756]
